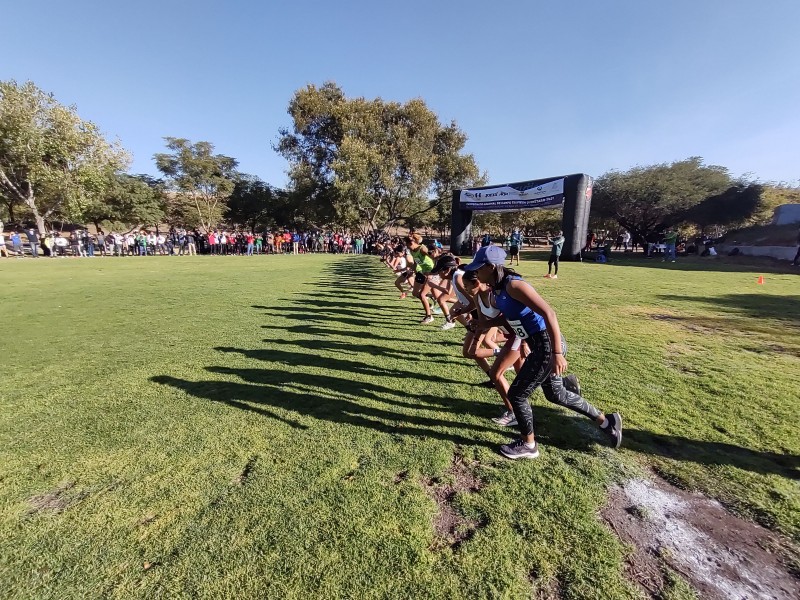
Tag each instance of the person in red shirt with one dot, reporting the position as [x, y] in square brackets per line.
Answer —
[250, 241]
[212, 242]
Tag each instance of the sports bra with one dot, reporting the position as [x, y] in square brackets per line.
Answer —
[462, 299]
[488, 311]
[522, 318]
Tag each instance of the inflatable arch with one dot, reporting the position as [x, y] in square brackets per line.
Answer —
[571, 192]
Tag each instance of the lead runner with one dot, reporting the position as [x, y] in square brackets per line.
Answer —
[533, 320]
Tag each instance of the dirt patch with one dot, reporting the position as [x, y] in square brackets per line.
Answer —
[56, 500]
[545, 590]
[451, 527]
[241, 478]
[721, 556]
[400, 477]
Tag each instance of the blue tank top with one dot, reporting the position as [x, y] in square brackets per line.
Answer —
[522, 319]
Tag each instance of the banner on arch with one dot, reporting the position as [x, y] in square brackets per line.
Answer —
[506, 198]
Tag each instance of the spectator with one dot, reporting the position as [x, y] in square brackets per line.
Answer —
[33, 242]
[3, 249]
[557, 243]
[670, 240]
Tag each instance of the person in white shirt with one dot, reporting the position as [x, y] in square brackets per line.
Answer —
[626, 239]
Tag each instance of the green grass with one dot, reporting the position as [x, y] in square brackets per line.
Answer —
[267, 427]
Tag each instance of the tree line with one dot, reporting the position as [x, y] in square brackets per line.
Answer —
[355, 163]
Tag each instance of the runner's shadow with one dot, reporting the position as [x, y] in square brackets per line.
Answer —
[562, 429]
[304, 360]
[713, 453]
[267, 394]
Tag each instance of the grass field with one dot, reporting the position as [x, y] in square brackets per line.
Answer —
[281, 427]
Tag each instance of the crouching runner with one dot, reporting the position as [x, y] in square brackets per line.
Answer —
[534, 321]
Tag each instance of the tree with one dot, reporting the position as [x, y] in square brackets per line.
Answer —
[373, 162]
[128, 200]
[252, 203]
[644, 200]
[50, 158]
[198, 178]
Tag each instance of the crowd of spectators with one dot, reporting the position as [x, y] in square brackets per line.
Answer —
[181, 241]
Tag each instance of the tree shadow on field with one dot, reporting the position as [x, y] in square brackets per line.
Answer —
[785, 309]
[730, 264]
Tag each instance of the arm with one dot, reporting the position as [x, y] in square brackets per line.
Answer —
[523, 292]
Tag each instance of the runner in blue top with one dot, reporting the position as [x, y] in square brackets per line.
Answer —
[536, 323]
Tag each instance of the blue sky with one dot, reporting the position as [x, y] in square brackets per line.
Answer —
[540, 88]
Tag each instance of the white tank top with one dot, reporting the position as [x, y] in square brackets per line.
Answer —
[463, 300]
[401, 264]
[488, 311]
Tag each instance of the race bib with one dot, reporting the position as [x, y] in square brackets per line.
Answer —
[519, 330]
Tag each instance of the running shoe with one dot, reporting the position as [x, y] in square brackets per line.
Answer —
[554, 277]
[519, 449]
[507, 419]
[403, 295]
[427, 320]
[448, 325]
[572, 384]
[548, 276]
[614, 429]
[436, 310]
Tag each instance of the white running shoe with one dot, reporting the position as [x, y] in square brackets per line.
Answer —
[427, 320]
[448, 325]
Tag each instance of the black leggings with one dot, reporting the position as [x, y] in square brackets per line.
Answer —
[537, 371]
[553, 261]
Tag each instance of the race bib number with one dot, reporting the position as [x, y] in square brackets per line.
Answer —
[519, 330]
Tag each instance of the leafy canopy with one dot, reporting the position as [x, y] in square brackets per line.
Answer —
[199, 178]
[51, 160]
[372, 162]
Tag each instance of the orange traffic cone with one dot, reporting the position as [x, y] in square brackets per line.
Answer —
[760, 280]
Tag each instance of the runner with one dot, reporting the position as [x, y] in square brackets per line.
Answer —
[422, 267]
[533, 320]
[398, 263]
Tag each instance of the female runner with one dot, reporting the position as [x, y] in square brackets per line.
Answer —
[533, 320]
[423, 264]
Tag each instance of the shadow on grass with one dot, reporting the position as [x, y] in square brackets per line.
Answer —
[713, 453]
[558, 428]
[344, 365]
[331, 399]
[755, 306]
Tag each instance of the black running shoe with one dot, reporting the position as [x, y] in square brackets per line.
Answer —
[572, 384]
[519, 449]
[614, 429]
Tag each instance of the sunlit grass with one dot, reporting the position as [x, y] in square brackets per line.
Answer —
[270, 427]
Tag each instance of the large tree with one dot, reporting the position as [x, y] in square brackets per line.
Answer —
[50, 158]
[127, 201]
[644, 200]
[198, 178]
[372, 162]
[252, 203]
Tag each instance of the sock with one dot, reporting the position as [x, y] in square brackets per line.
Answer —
[496, 351]
[604, 424]
[530, 445]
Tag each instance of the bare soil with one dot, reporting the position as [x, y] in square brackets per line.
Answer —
[720, 555]
[451, 527]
